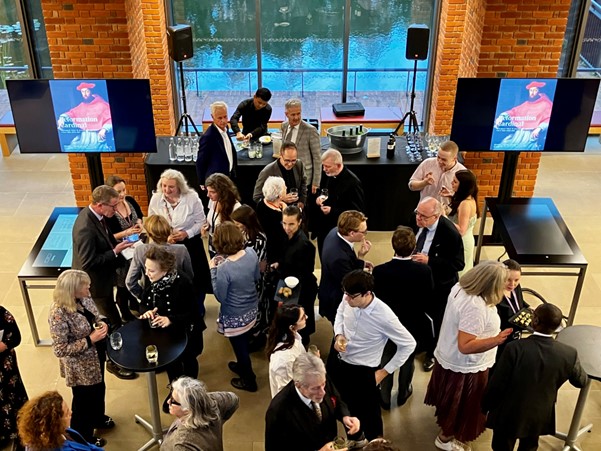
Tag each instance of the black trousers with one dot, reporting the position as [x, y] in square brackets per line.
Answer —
[405, 376]
[358, 389]
[187, 364]
[501, 442]
[124, 301]
[107, 307]
[240, 347]
[88, 407]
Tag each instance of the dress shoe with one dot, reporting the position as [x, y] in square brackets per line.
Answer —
[106, 423]
[384, 405]
[121, 373]
[451, 445]
[98, 441]
[233, 366]
[243, 384]
[401, 400]
[357, 444]
[428, 363]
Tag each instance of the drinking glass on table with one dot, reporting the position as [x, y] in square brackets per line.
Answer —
[152, 354]
[116, 341]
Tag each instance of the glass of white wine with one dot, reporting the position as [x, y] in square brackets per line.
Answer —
[324, 194]
[152, 354]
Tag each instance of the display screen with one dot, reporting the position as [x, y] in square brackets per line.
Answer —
[54, 116]
[523, 114]
[57, 249]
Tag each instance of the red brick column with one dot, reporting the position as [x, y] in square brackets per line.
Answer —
[507, 38]
[112, 39]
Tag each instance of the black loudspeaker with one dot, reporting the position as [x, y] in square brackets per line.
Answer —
[418, 37]
[179, 39]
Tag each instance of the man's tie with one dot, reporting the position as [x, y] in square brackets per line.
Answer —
[421, 239]
[289, 135]
[317, 410]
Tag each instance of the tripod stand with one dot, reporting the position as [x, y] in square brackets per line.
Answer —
[186, 119]
[411, 113]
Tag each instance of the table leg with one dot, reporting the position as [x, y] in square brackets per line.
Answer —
[155, 428]
[574, 433]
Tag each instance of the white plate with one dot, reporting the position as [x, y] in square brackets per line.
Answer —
[265, 139]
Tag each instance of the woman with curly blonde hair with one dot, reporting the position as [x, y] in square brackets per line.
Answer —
[44, 425]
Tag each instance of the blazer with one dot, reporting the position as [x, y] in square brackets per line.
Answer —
[273, 169]
[445, 256]
[292, 425]
[212, 157]
[79, 363]
[337, 260]
[407, 288]
[308, 145]
[521, 394]
[93, 253]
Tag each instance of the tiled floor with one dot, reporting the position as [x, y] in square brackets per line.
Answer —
[30, 186]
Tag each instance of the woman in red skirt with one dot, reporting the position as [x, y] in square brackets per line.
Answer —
[465, 351]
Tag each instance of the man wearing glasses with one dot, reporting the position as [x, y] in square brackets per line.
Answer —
[292, 170]
[363, 325]
[439, 246]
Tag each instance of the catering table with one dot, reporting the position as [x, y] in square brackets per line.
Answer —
[389, 202]
[170, 343]
[586, 340]
[374, 117]
[535, 235]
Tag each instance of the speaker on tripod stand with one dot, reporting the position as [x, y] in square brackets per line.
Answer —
[179, 41]
[418, 37]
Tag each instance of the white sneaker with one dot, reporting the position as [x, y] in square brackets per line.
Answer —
[451, 445]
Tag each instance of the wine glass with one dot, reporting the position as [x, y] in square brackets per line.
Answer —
[324, 195]
[116, 341]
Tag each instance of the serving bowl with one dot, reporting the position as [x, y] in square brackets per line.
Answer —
[351, 142]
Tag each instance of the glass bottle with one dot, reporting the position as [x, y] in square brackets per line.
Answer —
[390, 147]
[187, 149]
[179, 148]
[172, 149]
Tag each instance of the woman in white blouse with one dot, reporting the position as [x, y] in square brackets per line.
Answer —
[181, 206]
[284, 344]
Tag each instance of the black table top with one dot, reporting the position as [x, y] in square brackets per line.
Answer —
[138, 334]
[162, 156]
[586, 340]
[534, 233]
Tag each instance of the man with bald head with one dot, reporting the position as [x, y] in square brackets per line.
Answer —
[216, 151]
[438, 245]
[521, 394]
[433, 176]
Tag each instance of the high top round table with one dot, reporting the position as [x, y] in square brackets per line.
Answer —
[170, 343]
[585, 339]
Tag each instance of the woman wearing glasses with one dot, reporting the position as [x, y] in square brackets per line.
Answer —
[199, 416]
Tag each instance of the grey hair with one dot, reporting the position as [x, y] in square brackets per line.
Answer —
[332, 154]
[292, 103]
[201, 409]
[307, 366]
[103, 194]
[217, 105]
[180, 180]
[273, 187]
[487, 280]
[436, 205]
[66, 285]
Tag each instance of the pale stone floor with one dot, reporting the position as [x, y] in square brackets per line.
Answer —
[30, 186]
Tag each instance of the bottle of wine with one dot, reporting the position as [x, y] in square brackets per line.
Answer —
[390, 147]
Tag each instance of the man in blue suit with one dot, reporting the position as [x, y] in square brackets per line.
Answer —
[216, 151]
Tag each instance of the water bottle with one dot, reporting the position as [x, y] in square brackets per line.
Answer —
[187, 149]
[180, 148]
[172, 150]
[194, 144]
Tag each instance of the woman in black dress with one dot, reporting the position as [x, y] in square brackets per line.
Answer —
[12, 390]
[298, 260]
[125, 224]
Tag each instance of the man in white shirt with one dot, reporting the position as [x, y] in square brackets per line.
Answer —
[216, 151]
[363, 326]
[433, 176]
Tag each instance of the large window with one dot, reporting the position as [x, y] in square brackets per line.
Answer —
[297, 49]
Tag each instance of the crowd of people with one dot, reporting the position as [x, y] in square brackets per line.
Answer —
[429, 298]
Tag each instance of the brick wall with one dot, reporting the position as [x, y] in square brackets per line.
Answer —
[112, 39]
[514, 38]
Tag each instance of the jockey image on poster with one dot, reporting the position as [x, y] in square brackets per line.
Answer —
[523, 127]
[84, 118]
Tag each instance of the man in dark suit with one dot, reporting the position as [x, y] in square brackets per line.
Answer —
[96, 252]
[439, 246]
[291, 169]
[302, 416]
[344, 192]
[521, 394]
[339, 258]
[406, 287]
[216, 151]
